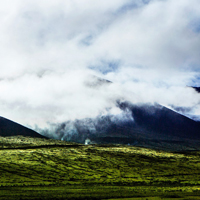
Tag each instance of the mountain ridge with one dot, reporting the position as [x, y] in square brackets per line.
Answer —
[11, 128]
[153, 126]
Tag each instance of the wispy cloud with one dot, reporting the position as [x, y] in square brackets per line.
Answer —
[49, 50]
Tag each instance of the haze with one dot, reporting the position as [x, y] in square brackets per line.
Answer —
[52, 51]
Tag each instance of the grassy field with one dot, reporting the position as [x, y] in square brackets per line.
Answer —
[34, 168]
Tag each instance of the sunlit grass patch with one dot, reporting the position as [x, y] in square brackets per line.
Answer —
[133, 170]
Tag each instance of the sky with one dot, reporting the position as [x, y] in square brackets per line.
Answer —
[52, 51]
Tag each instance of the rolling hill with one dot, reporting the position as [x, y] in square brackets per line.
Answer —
[53, 169]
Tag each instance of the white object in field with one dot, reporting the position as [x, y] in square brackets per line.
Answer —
[87, 141]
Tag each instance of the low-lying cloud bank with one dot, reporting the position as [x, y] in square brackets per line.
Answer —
[52, 51]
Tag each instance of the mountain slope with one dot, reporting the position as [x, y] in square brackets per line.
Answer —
[162, 121]
[10, 128]
[147, 125]
[153, 126]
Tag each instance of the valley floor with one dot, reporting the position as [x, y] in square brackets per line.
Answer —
[33, 168]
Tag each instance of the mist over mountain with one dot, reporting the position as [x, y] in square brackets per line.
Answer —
[197, 89]
[152, 120]
[191, 112]
[142, 124]
[52, 51]
[149, 125]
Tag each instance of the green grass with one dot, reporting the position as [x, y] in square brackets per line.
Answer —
[32, 168]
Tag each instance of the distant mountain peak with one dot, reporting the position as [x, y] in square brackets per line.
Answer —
[197, 89]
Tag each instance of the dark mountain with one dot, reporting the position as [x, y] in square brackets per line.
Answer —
[147, 125]
[153, 126]
[161, 121]
[10, 128]
[197, 89]
[188, 111]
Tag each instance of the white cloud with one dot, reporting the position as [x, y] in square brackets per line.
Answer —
[149, 49]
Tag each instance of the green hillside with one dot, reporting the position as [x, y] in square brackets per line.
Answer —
[34, 168]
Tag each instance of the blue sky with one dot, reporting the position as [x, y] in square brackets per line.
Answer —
[149, 49]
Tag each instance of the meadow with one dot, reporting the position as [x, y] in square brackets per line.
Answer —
[34, 168]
